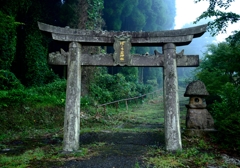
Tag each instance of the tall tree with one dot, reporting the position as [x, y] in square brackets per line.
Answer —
[86, 14]
[220, 65]
[220, 72]
[7, 41]
[140, 15]
[30, 62]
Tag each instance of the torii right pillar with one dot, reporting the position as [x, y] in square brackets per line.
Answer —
[171, 102]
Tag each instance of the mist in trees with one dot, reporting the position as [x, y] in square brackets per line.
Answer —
[198, 46]
[137, 15]
[140, 15]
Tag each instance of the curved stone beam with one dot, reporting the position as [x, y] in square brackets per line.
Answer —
[96, 37]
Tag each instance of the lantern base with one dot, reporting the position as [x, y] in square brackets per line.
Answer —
[198, 132]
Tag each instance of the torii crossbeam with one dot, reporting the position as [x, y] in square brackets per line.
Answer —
[122, 43]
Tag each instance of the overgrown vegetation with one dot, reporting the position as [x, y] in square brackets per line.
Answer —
[7, 40]
[197, 152]
[36, 107]
[43, 149]
[219, 70]
[116, 87]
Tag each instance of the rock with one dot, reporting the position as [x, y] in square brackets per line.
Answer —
[230, 160]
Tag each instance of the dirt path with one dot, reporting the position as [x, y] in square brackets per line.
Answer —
[123, 142]
[119, 150]
[127, 147]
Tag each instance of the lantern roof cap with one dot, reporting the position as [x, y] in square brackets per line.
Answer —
[196, 88]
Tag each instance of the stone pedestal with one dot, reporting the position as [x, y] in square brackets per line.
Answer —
[199, 132]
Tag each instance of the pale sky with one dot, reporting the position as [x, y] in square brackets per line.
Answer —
[187, 11]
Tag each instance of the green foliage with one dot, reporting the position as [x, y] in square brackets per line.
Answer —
[131, 74]
[110, 87]
[220, 65]
[7, 40]
[14, 98]
[24, 50]
[152, 76]
[138, 19]
[220, 24]
[22, 160]
[83, 14]
[136, 15]
[94, 14]
[222, 18]
[234, 39]
[38, 72]
[220, 72]
[165, 162]
[37, 107]
[50, 94]
[189, 157]
[107, 88]
[226, 114]
[13, 8]
[85, 101]
[9, 81]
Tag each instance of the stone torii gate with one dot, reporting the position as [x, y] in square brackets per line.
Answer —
[122, 43]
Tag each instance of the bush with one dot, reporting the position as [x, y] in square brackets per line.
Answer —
[85, 101]
[107, 88]
[9, 81]
[36, 107]
[7, 40]
[227, 116]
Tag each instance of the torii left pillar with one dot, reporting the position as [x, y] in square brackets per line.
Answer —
[73, 95]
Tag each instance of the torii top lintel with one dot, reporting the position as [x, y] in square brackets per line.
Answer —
[179, 37]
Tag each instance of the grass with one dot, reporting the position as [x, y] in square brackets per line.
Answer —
[192, 155]
[197, 152]
[23, 160]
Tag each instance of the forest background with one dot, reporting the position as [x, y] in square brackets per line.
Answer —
[33, 92]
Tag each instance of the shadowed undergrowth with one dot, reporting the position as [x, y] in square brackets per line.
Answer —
[133, 138]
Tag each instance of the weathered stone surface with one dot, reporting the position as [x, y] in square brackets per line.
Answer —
[199, 119]
[196, 88]
[171, 101]
[158, 38]
[137, 41]
[57, 58]
[197, 31]
[73, 94]
[187, 60]
[196, 106]
[197, 103]
[137, 60]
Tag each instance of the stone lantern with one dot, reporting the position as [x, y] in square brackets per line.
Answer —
[198, 117]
